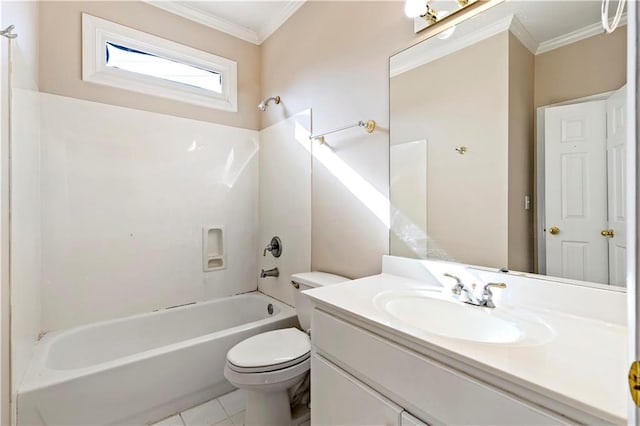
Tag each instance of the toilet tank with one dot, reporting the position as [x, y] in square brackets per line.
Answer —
[305, 281]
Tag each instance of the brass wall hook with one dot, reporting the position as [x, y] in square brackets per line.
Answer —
[461, 149]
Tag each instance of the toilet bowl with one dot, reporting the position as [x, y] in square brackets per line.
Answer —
[269, 366]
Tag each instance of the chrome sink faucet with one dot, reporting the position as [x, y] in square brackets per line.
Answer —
[487, 296]
[467, 295]
[461, 291]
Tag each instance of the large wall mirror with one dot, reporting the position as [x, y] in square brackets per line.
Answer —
[508, 143]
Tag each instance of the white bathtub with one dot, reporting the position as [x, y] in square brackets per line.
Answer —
[142, 368]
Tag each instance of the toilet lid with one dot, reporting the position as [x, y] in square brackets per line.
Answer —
[273, 348]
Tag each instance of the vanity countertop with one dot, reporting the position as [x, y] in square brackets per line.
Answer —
[582, 366]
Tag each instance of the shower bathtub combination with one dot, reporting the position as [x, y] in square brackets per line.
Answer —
[142, 368]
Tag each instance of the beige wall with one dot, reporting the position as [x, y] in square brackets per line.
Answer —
[466, 194]
[333, 57]
[521, 81]
[408, 168]
[593, 65]
[497, 173]
[61, 63]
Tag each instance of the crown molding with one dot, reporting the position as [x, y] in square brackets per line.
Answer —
[574, 36]
[510, 23]
[522, 34]
[285, 13]
[217, 23]
[400, 64]
[406, 61]
[209, 20]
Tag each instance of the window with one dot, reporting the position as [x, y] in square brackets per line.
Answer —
[122, 57]
[125, 58]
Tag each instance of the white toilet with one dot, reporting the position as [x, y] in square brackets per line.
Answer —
[269, 364]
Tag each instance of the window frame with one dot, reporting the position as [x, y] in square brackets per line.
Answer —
[96, 32]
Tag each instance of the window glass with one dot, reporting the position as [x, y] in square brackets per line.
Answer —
[118, 56]
[133, 60]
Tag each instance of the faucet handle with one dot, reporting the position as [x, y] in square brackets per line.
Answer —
[457, 289]
[487, 294]
[489, 286]
[448, 275]
[274, 246]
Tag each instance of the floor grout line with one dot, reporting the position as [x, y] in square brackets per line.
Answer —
[224, 409]
[229, 417]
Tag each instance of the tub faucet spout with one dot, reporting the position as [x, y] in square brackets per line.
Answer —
[270, 273]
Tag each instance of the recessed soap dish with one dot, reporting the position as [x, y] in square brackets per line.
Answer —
[213, 247]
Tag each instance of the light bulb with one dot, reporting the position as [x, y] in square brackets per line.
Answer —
[415, 8]
[447, 33]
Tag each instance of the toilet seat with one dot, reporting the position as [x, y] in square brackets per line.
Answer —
[268, 368]
[286, 377]
[273, 367]
[278, 356]
[270, 351]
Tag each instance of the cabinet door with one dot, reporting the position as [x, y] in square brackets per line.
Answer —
[337, 398]
[408, 420]
[429, 389]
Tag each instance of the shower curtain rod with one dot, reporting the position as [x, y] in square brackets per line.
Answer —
[368, 125]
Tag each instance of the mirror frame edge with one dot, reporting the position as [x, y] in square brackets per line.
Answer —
[632, 179]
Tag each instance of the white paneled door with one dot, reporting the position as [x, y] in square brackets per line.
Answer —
[616, 189]
[576, 191]
[585, 190]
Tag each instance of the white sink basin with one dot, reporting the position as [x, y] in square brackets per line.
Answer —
[435, 313]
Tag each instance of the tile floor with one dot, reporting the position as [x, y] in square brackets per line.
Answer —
[227, 410]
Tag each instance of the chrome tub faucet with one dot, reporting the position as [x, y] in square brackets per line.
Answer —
[270, 273]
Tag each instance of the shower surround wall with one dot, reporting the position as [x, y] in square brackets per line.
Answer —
[125, 196]
[285, 201]
[25, 197]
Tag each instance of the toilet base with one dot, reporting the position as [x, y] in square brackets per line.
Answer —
[300, 414]
[268, 392]
[268, 409]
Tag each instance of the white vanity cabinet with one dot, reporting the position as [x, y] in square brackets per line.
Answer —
[358, 377]
[407, 419]
[341, 399]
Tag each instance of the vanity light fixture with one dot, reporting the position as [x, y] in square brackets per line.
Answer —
[417, 9]
[420, 8]
[441, 14]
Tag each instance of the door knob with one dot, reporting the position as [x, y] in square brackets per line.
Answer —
[554, 230]
[608, 233]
